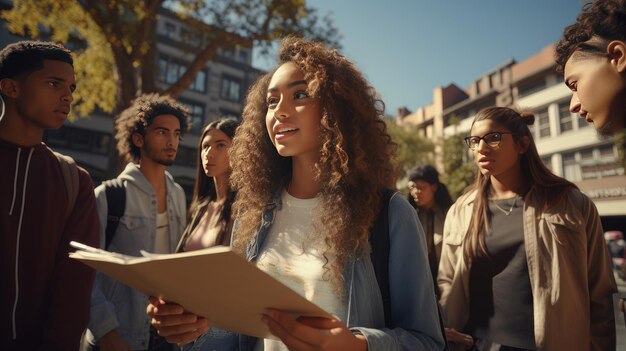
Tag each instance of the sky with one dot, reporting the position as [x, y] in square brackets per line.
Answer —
[406, 48]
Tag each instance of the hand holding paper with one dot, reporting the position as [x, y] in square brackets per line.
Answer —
[216, 283]
[174, 323]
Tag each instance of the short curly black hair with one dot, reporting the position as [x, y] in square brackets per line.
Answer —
[136, 118]
[25, 57]
[600, 22]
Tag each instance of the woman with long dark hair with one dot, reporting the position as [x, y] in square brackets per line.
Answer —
[210, 221]
[524, 265]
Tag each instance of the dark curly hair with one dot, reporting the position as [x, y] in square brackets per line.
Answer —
[599, 23]
[25, 57]
[356, 152]
[136, 118]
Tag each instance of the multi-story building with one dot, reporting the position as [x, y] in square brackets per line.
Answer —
[569, 146]
[218, 91]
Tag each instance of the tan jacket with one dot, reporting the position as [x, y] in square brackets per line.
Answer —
[569, 266]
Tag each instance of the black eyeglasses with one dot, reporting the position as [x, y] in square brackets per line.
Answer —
[492, 139]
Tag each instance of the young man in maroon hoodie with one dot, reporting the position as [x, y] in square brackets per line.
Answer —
[46, 295]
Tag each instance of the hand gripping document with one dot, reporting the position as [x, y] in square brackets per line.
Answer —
[215, 283]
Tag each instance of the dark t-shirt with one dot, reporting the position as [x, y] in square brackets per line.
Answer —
[501, 304]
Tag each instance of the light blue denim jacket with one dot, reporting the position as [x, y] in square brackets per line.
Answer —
[115, 305]
[413, 304]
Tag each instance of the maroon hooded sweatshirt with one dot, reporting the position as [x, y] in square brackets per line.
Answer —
[45, 294]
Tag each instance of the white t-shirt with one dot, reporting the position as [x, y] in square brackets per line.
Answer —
[293, 253]
[162, 242]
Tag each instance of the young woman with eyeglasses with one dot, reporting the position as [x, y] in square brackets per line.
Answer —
[523, 265]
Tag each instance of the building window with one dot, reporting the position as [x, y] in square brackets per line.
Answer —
[170, 71]
[170, 30]
[565, 117]
[571, 170]
[230, 53]
[78, 139]
[57, 137]
[101, 144]
[81, 140]
[243, 55]
[189, 36]
[196, 114]
[531, 88]
[607, 153]
[229, 114]
[592, 163]
[543, 119]
[199, 84]
[186, 156]
[582, 123]
[231, 89]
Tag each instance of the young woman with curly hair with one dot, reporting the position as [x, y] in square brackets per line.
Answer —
[524, 265]
[312, 158]
[592, 55]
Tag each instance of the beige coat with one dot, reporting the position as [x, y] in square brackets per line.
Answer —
[569, 266]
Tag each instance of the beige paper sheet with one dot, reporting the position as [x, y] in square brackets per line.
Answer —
[215, 283]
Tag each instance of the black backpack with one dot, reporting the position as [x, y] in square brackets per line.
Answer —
[116, 205]
[379, 242]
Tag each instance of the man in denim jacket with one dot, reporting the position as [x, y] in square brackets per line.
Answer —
[148, 134]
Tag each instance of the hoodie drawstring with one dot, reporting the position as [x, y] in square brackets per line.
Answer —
[17, 245]
[17, 167]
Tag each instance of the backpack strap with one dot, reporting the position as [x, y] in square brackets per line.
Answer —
[116, 205]
[69, 170]
[380, 245]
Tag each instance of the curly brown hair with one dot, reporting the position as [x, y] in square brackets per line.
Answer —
[136, 118]
[356, 152]
[599, 23]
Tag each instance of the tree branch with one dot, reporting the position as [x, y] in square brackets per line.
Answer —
[147, 24]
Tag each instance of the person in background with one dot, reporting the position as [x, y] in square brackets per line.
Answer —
[210, 212]
[210, 219]
[523, 251]
[432, 200]
[154, 217]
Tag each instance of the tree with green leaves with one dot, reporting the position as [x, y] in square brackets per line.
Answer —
[459, 171]
[412, 149]
[115, 47]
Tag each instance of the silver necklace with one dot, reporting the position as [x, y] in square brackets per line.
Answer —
[506, 212]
